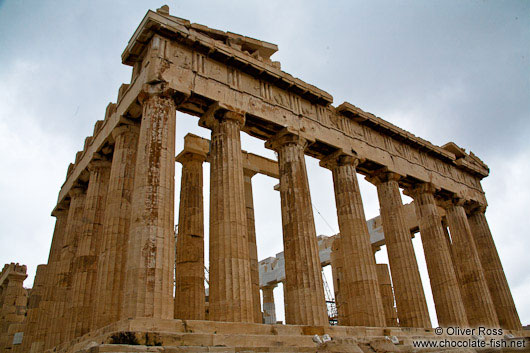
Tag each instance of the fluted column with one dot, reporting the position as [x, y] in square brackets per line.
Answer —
[116, 224]
[43, 326]
[447, 237]
[252, 247]
[148, 290]
[35, 308]
[492, 267]
[189, 262]
[475, 293]
[337, 272]
[444, 283]
[85, 262]
[408, 290]
[13, 302]
[58, 328]
[360, 287]
[387, 295]
[269, 308]
[304, 292]
[230, 297]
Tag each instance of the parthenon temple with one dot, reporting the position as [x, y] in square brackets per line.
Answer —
[120, 278]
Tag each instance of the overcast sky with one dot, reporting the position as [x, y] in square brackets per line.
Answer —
[443, 70]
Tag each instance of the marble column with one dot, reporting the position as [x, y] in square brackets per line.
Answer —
[83, 294]
[58, 329]
[44, 320]
[189, 262]
[473, 287]
[449, 242]
[337, 272]
[444, 283]
[34, 310]
[148, 289]
[408, 290]
[493, 271]
[13, 304]
[360, 287]
[116, 225]
[304, 292]
[230, 296]
[252, 247]
[269, 308]
[387, 295]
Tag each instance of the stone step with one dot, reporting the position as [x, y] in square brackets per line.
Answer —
[219, 327]
[117, 348]
[209, 340]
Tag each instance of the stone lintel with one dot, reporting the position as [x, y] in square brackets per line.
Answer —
[252, 163]
[13, 271]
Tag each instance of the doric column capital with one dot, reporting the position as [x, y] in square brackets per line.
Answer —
[449, 202]
[238, 117]
[383, 176]
[151, 90]
[185, 157]
[97, 164]
[421, 188]
[17, 277]
[475, 207]
[219, 112]
[76, 191]
[284, 137]
[339, 158]
[59, 212]
[125, 128]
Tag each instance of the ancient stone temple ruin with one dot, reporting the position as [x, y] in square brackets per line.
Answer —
[116, 280]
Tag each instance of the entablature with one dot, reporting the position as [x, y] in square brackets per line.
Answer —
[207, 68]
[206, 41]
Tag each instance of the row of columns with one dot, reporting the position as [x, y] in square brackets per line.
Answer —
[363, 283]
[115, 238]
[455, 266]
[112, 251]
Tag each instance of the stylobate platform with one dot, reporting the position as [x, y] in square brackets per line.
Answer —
[155, 335]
